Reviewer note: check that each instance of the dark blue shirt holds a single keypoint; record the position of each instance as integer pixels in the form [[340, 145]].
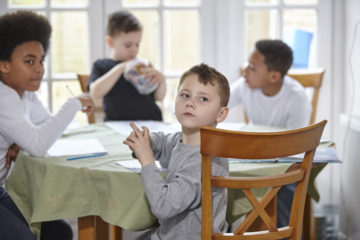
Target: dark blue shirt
[[123, 101]]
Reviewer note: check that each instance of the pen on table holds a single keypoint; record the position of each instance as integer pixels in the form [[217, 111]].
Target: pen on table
[[68, 88], [87, 156]]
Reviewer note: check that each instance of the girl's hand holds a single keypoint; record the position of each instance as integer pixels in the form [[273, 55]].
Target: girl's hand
[[87, 103], [139, 142], [12, 154]]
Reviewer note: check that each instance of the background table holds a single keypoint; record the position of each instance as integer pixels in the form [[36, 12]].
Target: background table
[[52, 188]]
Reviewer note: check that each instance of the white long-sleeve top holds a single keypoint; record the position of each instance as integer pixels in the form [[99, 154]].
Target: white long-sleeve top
[[27, 123], [290, 108]]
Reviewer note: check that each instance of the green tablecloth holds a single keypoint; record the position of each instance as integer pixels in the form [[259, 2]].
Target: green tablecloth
[[52, 188]]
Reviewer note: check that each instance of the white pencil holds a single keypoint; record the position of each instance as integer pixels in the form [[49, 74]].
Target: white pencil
[[72, 94]]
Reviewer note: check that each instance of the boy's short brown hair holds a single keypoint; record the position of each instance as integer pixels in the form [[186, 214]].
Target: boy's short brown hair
[[122, 21], [210, 75]]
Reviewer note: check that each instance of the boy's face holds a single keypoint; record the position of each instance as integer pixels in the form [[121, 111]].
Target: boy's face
[[125, 45], [198, 105], [25, 69], [256, 74]]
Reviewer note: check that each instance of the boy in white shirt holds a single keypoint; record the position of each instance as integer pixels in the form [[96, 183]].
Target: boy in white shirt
[[202, 99], [271, 98]]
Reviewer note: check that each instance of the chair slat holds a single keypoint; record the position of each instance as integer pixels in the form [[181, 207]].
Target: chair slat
[[258, 182]]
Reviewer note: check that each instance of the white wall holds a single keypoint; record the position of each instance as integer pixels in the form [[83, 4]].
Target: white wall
[[338, 184], [350, 177]]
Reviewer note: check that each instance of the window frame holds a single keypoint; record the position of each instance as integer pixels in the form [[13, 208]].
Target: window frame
[[110, 5], [230, 38], [221, 34]]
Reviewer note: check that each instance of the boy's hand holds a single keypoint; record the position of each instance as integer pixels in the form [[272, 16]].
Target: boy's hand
[[154, 76], [12, 154], [139, 142], [87, 104]]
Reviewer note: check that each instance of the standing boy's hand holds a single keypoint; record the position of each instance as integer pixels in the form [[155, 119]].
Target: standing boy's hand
[[154, 76], [139, 142]]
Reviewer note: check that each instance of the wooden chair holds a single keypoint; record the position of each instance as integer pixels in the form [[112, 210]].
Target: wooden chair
[[256, 145], [98, 114], [308, 79]]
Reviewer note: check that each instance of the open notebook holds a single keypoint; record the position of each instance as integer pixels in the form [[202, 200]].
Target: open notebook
[[77, 147]]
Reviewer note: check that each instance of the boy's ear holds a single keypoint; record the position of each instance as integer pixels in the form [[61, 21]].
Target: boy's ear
[[222, 114], [275, 76], [109, 41], [4, 66]]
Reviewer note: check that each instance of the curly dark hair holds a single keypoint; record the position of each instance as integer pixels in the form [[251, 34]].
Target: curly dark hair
[[122, 21], [278, 55], [20, 27], [210, 75]]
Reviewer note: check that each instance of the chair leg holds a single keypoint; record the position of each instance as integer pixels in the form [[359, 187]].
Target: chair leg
[[86, 228], [102, 229], [116, 232], [309, 229]]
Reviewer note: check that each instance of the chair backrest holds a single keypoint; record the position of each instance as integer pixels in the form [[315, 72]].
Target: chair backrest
[[98, 114], [256, 145], [83, 80], [310, 79]]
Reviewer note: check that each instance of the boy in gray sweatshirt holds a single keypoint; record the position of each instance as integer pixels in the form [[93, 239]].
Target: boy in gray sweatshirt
[[202, 99]]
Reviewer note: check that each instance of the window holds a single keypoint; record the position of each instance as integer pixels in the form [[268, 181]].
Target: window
[[177, 35], [293, 21], [68, 53], [169, 44]]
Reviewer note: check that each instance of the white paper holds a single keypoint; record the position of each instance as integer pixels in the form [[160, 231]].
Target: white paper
[[66, 147], [124, 128], [135, 166]]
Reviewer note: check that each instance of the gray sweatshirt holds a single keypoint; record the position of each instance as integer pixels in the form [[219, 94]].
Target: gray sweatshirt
[[176, 200]]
